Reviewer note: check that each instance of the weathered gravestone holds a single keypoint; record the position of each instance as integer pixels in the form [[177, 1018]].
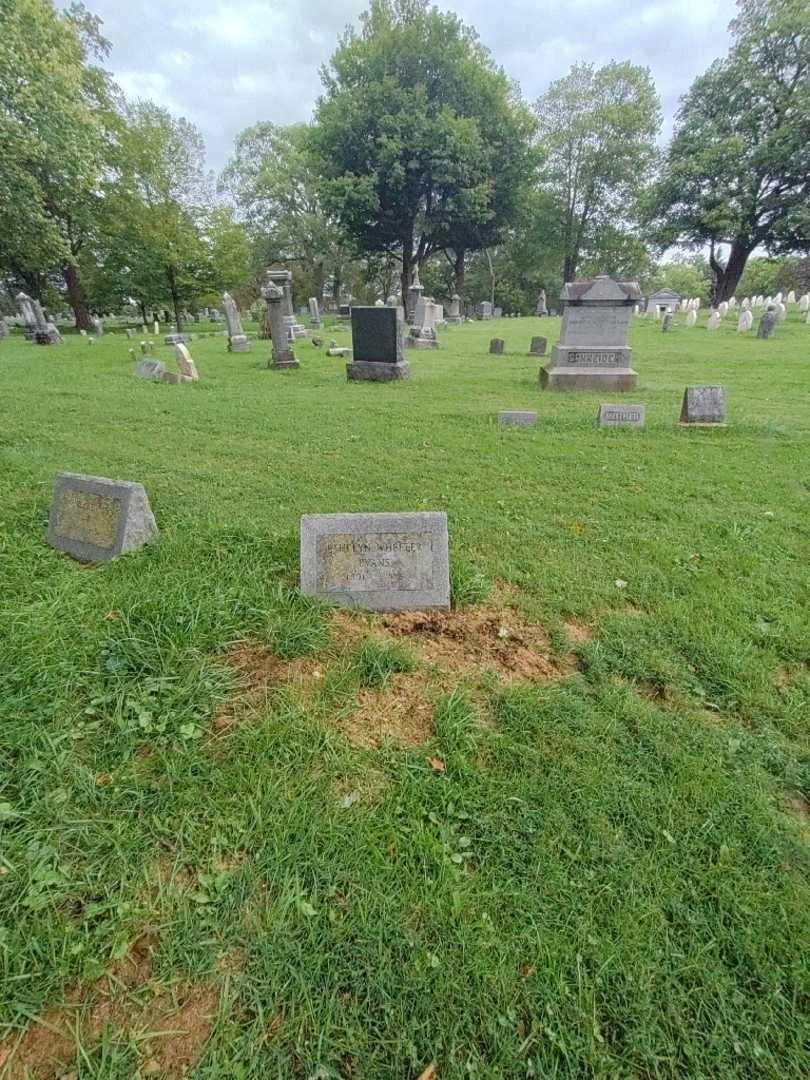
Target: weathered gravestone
[[592, 353], [186, 367], [767, 324], [314, 313], [377, 346], [538, 346], [283, 355], [384, 562], [517, 419], [666, 322], [621, 415], [541, 308], [95, 519], [237, 338], [704, 406], [152, 370], [454, 316], [3, 329], [483, 310], [714, 321], [175, 339], [746, 321], [496, 346], [691, 317]]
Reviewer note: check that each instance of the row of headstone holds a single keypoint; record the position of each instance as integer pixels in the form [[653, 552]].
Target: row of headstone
[[380, 562], [537, 346], [702, 406]]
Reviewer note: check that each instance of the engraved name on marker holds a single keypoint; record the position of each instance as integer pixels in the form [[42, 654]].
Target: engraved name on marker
[[385, 562], [88, 518]]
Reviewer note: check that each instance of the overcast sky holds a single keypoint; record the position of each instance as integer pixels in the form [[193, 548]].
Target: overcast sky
[[226, 65]]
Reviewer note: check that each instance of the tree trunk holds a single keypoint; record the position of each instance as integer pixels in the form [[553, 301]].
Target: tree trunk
[[320, 277], [142, 306], [336, 285], [569, 268], [491, 278], [172, 276], [407, 268], [727, 278], [77, 298], [459, 272]]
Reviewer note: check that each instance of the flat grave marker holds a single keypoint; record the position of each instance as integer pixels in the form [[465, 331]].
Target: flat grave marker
[[621, 415], [515, 418]]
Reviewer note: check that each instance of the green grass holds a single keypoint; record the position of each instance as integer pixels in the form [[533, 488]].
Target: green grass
[[604, 880]]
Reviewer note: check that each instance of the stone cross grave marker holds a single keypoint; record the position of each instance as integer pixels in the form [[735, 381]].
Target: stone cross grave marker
[[94, 519], [377, 346], [704, 406], [622, 415], [384, 562]]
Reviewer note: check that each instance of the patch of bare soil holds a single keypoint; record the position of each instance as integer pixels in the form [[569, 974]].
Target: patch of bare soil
[[399, 712], [798, 807], [171, 1026], [477, 639], [579, 633], [259, 671]]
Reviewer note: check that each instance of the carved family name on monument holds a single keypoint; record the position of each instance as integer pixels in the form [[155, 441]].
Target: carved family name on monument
[[384, 562], [621, 415], [95, 519]]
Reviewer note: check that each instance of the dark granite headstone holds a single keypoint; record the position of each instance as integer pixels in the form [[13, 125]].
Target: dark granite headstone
[[377, 347], [538, 346], [496, 346]]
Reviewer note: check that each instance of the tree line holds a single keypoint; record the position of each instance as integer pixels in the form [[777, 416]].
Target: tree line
[[421, 156]]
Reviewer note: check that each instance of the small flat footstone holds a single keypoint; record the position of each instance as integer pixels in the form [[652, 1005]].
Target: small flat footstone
[[382, 562], [517, 419], [621, 415]]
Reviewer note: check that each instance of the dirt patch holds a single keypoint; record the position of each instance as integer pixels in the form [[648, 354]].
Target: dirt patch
[[795, 804], [364, 788], [258, 671], [399, 712], [477, 639], [177, 1021], [579, 633]]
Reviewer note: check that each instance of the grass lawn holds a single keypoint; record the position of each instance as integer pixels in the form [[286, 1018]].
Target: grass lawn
[[562, 831]]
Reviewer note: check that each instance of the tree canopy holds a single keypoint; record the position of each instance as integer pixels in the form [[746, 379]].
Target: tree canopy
[[418, 136], [736, 174]]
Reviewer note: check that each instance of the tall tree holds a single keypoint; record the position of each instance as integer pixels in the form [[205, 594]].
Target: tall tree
[[57, 127], [597, 128], [403, 135], [736, 175], [272, 182], [164, 195]]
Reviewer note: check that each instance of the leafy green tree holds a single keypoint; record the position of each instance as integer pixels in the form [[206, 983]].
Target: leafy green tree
[[597, 128], [768, 276], [404, 139], [275, 188], [57, 128], [736, 174], [163, 200]]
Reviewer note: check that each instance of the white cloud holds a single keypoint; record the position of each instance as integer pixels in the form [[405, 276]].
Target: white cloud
[[228, 65]]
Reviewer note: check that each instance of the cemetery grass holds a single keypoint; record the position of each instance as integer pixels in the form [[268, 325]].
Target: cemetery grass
[[208, 864]]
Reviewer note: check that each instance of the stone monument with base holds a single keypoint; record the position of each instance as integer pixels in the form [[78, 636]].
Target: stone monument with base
[[237, 338], [592, 353], [378, 354]]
